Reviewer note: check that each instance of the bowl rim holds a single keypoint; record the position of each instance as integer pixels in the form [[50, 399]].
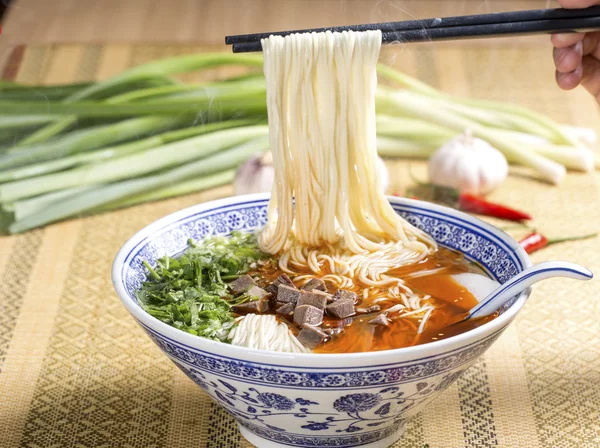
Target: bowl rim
[[418, 352]]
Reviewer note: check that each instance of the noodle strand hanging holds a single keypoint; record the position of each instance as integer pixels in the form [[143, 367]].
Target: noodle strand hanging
[[327, 209]]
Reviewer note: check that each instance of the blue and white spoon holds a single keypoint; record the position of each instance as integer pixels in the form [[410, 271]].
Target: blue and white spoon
[[492, 295]]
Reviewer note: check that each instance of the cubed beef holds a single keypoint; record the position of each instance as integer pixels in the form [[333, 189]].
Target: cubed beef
[[380, 320], [315, 283], [255, 291], [256, 306], [341, 308], [307, 315], [281, 280], [343, 294], [315, 298], [287, 294], [285, 309], [311, 336], [242, 284]]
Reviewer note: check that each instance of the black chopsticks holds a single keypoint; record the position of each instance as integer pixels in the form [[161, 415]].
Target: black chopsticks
[[458, 27]]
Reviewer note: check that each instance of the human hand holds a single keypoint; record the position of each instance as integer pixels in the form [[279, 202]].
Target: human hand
[[577, 55]]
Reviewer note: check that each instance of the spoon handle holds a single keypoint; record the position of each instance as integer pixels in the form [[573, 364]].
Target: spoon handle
[[524, 280]]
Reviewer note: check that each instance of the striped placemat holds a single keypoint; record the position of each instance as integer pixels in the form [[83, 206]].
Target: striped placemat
[[75, 371]]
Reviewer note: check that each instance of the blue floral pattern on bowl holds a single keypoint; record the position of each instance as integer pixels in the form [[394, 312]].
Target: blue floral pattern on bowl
[[290, 405], [301, 379]]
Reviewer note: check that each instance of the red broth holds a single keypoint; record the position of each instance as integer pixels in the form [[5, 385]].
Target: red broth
[[450, 299]]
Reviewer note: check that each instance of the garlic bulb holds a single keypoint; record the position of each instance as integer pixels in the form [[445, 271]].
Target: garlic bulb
[[469, 164], [257, 174]]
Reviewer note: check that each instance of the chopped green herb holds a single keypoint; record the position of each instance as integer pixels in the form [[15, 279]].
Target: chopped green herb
[[190, 292]]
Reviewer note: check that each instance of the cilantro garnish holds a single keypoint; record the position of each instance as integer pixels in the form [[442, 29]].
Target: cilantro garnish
[[190, 292]]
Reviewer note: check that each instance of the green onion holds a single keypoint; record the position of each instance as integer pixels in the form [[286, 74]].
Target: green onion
[[50, 166], [156, 69], [178, 189], [26, 207], [236, 104], [97, 197], [516, 114], [132, 165], [86, 139], [25, 121], [393, 147]]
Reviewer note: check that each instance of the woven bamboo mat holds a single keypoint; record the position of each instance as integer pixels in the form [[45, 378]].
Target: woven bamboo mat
[[75, 371]]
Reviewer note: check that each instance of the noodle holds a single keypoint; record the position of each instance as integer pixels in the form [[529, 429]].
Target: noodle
[[321, 109], [265, 333]]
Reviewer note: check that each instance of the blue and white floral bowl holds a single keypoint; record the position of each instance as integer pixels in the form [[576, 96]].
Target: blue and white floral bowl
[[317, 400]]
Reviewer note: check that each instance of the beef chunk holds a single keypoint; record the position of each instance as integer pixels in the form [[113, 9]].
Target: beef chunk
[[281, 280], [256, 306], [343, 294], [285, 309], [341, 308], [315, 298], [308, 315], [255, 291], [242, 284], [315, 283], [287, 294], [380, 320], [311, 336]]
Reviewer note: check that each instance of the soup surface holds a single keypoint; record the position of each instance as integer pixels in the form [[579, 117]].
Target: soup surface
[[451, 302]]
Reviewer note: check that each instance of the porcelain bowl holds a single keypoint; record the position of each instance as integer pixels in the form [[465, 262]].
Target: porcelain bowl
[[318, 400]]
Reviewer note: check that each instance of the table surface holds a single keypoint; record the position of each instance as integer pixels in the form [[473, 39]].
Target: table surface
[[76, 371]]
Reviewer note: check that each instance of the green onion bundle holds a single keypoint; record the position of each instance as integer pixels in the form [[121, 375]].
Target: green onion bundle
[[143, 135]]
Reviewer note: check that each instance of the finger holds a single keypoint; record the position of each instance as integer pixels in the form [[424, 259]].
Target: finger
[[591, 43], [566, 40], [590, 78], [568, 81], [568, 59], [578, 3]]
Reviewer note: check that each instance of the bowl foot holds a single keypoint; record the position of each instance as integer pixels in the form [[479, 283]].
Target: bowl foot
[[261, 442]]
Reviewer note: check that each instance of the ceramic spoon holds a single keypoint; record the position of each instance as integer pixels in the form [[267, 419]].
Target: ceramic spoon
[[491, 295]]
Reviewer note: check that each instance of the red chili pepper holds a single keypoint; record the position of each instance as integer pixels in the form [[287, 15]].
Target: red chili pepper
[[467, 202], [536, 241], [475, 204]]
